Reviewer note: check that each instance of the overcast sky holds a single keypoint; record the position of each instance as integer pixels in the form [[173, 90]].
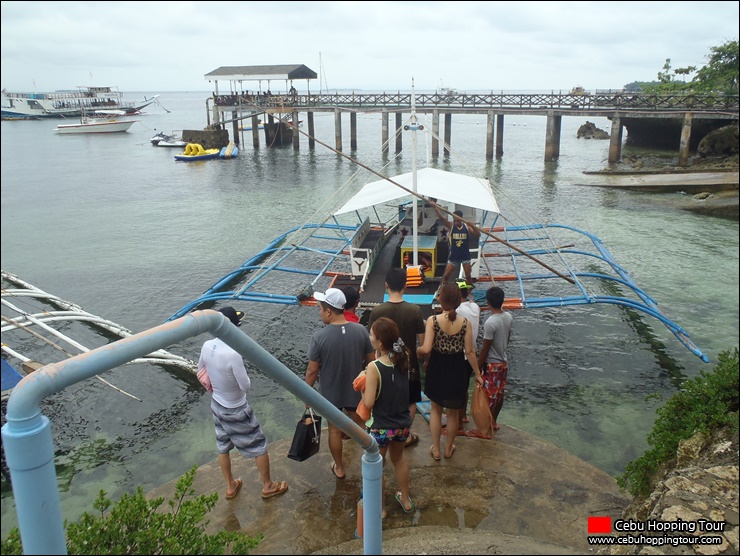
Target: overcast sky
[[468, 46]]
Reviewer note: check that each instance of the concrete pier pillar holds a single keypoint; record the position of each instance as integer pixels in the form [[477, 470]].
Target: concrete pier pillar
[[235, 127], [435, 134], [615, 140], [384, 131], [353, 131], [399, 125], [683, 149], [311, 135], [448, 133], [500, 136], [337, 129], [552, 136], [490, 121], [296, 134], [255, 132]]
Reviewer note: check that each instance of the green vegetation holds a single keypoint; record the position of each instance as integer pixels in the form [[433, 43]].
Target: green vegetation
[[135, 525], [720, 75], [705, 403]]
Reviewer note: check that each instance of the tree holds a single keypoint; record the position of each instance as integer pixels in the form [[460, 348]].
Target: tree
[[721, 71]]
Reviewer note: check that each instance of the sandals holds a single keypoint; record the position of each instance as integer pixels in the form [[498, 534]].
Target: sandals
[[431, 451], [282, 488], [411, 509], [333, 467], [413, 439], [236, 491], [452, 451]]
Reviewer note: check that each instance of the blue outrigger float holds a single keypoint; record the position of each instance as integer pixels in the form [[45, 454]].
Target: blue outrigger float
[[389, 229]]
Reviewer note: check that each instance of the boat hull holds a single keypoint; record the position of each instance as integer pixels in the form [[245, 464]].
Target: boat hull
[[95, 127], [194, 157]]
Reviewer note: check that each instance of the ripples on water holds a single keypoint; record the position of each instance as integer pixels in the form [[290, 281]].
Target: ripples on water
[[116, 226]]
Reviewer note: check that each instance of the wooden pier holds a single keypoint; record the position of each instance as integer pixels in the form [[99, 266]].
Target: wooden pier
[[282, 109]]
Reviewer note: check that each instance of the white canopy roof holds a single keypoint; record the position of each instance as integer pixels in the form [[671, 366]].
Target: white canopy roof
[[430, 182]]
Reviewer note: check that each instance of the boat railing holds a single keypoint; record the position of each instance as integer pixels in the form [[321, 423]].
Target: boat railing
[[29, 447]]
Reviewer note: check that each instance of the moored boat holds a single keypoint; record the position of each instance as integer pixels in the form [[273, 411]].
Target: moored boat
[[392, 222], [162, 139], [60, 104], [100, 123]]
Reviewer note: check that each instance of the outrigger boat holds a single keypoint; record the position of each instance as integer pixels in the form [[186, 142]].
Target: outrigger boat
[[574, 265]]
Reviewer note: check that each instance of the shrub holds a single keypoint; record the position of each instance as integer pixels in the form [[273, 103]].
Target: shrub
[[705, 403], [136, 525]]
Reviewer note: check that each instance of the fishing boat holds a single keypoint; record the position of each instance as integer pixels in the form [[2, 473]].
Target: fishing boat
[[66, 104], [55, 329], [103, 121], [195, 151], [391, 221]]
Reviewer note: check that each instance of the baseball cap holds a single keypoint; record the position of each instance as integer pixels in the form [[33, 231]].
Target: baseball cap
[[463, 285], [232, 314], [333, 297]]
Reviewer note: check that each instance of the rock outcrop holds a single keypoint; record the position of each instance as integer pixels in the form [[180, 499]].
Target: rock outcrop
[[702, 485], [722, 142], [590, 131]]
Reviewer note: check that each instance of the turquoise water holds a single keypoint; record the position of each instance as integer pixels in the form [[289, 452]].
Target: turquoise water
[[118, 227]]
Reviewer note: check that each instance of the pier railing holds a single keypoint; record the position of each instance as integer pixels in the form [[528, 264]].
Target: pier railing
[[600, 100]]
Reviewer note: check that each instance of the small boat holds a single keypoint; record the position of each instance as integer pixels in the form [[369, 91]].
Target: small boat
[[229, 151], [195, 151], [391, 222], [162, 139], [101, 122], [248, 126]]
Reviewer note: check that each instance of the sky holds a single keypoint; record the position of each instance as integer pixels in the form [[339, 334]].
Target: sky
[[363, 46]]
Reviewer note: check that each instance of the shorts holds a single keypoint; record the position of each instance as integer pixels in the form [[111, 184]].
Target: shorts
[[237, 427], [458, 263], [384, 436], [494, 381]]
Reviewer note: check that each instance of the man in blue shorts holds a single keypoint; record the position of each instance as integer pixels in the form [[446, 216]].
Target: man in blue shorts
[[459, 235]]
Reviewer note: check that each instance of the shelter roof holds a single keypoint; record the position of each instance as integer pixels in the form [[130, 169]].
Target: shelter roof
[[439, 184], [260, 73]]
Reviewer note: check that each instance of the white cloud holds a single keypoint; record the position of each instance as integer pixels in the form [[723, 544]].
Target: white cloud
[[164, 46]]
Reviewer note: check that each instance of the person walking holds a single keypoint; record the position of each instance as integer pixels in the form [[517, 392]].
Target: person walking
[[460, 234], [336, 354], [447, 342], [492, 359], [386, 395], [236, 424], [410, 322], [471, 311]]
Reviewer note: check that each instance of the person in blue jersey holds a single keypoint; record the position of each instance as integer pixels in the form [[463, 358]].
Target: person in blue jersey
[[460, 234], [387, 396], [492, 360], [236, 424], [336, 355]]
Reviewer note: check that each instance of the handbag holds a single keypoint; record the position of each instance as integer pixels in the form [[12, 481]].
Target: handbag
[[307, 437], [204, 379]]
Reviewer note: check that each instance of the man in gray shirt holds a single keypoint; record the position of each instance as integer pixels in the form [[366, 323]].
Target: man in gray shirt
[[336, 355]]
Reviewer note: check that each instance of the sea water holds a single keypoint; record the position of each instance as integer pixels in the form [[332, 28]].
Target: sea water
[[122, 229]]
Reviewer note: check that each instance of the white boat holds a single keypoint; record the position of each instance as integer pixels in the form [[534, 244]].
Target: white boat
[[391, 222], [102, 122], [61, 104], [162, 139]]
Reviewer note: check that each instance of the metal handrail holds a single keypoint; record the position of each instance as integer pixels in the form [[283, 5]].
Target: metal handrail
[[29, 447]]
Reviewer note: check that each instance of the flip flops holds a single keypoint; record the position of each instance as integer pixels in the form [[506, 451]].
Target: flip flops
[[475, 433], [411, 509], [334, 470], [413, 439], [431, 451], [282, 488], [236, 491], [452, 451]]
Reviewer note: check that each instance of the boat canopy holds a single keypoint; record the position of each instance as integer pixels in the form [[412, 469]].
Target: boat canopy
[[430, 182]]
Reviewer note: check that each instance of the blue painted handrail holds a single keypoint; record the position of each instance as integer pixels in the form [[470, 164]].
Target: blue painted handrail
[[29, 448]]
